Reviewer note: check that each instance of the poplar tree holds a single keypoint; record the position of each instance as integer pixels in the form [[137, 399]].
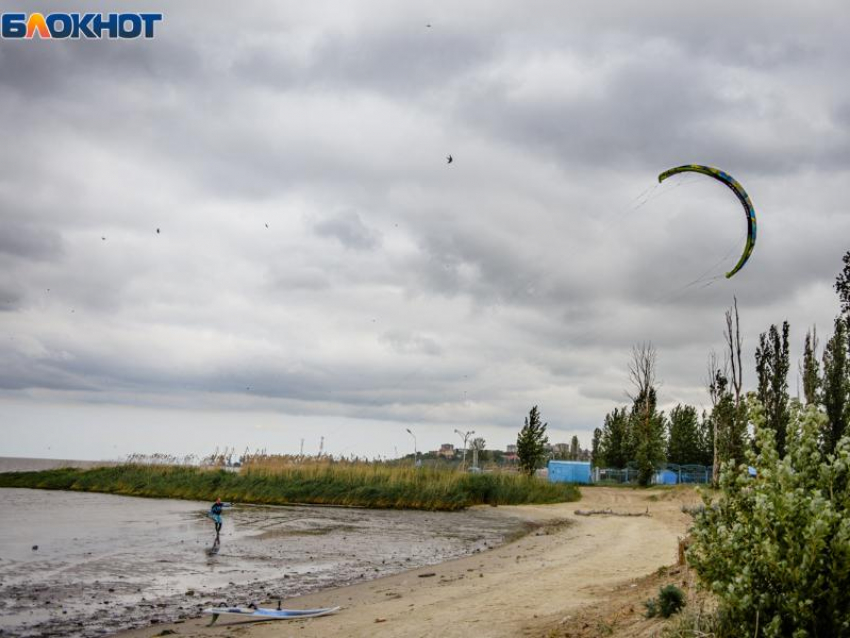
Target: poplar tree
[[729, 421], [613, 445], [772, 365], [683, 444], [646, 425], [594, 447], [836, 386], [810, 369], [842, 285], [706, 439], [531, 442]]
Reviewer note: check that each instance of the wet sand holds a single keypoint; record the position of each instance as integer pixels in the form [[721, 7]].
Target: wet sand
[[105, 563]]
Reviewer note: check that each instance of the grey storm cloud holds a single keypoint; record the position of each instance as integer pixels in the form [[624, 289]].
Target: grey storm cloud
[[409, 62], [654, 106], [30, 242], [317, 254]]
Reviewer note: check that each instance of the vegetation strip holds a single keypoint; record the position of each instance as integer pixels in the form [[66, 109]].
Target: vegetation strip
[[372, 485]]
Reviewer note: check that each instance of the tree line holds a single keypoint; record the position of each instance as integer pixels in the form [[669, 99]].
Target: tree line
[[643, 437]]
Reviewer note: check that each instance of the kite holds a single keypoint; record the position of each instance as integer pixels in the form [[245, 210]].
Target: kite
[[740, 193]]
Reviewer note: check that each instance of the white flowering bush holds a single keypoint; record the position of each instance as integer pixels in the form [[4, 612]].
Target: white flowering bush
[[775, 548]]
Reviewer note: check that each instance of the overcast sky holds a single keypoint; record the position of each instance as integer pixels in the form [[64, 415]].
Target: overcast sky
[[321, 270]]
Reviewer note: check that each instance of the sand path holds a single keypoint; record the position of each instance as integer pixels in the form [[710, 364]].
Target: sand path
[[514, 590]]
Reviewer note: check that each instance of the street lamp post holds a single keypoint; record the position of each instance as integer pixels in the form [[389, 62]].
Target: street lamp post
[[415, 449], [465, 436]]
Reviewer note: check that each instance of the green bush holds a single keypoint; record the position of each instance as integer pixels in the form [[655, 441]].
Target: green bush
[[775, 549], [670, 600]]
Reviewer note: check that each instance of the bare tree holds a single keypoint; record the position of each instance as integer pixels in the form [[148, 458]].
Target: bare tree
[[733, 341], [731, 373], [642, 371], [465, 436], [714, 373], [716, 382]]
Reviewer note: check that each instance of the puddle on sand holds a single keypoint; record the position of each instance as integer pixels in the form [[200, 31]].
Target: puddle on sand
[[106, 563]]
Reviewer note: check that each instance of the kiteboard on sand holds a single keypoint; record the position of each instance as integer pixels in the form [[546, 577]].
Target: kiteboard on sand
[[269, 614]]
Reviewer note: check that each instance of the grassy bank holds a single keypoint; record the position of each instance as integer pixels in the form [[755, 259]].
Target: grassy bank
[[361, 484]]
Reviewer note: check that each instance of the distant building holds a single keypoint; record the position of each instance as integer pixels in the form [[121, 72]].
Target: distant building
[[447, 450], [510, 453], [561, 450], [569, 452], [511, 449]]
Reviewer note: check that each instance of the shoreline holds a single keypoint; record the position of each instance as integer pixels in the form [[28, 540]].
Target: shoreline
[[523, 587], [37, 464], [106, 563]]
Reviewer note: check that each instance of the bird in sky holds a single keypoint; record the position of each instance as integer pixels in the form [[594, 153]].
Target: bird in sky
[[449, 159], [157, 231]]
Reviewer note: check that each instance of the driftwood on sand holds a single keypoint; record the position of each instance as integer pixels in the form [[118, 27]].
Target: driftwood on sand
[[610, 512]]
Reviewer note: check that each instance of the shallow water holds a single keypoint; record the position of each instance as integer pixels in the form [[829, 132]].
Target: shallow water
[[106, 563]]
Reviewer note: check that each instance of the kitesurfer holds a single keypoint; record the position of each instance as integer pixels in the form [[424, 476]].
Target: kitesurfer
[[215, 514]]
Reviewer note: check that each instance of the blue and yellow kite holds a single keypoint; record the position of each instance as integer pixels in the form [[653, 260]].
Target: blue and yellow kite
[[741, 195]]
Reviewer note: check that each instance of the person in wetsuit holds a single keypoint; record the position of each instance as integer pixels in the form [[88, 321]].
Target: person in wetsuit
[[215, 514]]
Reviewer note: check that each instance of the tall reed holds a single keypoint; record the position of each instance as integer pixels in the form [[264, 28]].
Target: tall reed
[[323, 482]]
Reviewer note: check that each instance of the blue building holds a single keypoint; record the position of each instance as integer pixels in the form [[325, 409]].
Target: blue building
[[666, 477], [569, 472]]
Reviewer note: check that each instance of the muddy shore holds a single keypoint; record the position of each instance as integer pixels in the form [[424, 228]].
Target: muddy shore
[[83, 564]]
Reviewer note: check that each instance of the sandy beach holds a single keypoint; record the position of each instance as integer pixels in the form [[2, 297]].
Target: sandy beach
[[528, 587]]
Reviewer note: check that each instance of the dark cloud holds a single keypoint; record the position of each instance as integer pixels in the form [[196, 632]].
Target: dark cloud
[[9, 299], [655, 108], [31, 367], [317, 249], [403, 63], [30, 242]]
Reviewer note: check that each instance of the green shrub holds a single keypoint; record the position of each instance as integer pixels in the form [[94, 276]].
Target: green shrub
[[775, 549], [670, 600]]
